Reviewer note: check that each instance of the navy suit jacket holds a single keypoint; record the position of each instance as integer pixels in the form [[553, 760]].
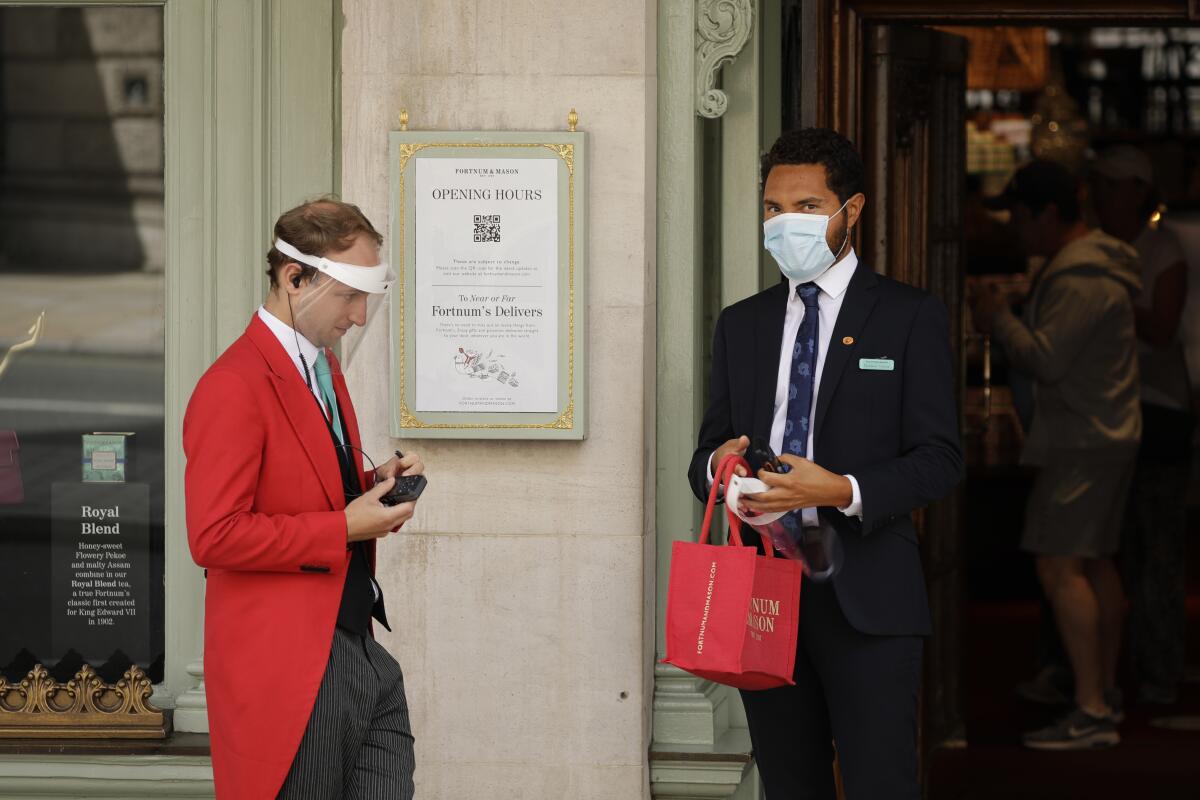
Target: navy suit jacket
[[895, 431]]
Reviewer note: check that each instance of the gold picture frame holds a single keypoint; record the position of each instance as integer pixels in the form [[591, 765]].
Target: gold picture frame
[[568, 150]]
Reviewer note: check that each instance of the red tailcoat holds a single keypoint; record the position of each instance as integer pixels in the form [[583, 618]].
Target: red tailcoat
[[264, 518]]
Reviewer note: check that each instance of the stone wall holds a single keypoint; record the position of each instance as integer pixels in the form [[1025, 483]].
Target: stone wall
[[81, 115], [522, 593]]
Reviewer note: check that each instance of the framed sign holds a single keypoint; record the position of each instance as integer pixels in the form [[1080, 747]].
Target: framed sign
[[488, 308]]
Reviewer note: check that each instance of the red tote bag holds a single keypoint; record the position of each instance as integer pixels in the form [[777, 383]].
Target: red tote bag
[[732, 615]]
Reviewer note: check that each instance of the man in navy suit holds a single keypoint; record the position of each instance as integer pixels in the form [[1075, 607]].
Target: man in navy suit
[[849, 376]]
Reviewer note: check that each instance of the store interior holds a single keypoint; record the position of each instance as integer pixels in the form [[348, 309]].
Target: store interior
[[1066, 94]]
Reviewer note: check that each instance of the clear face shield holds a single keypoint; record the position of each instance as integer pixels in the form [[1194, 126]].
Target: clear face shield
[[340, 304]]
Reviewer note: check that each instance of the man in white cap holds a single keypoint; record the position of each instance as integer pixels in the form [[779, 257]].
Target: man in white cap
[[1152, 548], [283, 517]]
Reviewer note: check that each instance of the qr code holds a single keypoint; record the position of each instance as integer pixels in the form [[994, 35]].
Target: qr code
[[487, 227]]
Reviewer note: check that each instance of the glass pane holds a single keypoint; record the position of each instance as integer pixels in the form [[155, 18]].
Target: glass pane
[[81, 340]]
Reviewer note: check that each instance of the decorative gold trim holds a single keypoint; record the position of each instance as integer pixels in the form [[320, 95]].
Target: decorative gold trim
[[38, 707], [572, 120], [404, 119], [565, 420]]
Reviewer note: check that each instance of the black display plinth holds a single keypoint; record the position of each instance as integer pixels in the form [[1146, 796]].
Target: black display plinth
[[100, 570]]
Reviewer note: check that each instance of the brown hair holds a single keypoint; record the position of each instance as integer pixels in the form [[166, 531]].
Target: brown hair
[[316, 228]]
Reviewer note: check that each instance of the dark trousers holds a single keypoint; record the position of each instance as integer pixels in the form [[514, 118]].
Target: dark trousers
[[358, 743], [1153, 550], [856, 690]]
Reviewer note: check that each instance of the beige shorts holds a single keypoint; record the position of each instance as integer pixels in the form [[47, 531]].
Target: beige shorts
[[1078, 505]]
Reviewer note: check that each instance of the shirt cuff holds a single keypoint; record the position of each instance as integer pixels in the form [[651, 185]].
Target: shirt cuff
[[855, 507], [720, 492]]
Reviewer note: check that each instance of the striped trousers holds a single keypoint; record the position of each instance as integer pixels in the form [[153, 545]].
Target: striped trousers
[[358, 744]]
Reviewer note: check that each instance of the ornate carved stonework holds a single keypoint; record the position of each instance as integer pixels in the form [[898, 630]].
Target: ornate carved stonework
[[722, 30], [38, 707]]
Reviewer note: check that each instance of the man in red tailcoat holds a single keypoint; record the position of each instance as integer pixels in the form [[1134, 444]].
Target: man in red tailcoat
[[281, 514]]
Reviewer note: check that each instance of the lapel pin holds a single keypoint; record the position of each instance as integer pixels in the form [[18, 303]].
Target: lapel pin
[[848, 340]]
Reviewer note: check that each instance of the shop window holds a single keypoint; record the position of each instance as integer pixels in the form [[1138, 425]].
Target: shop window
[[81, 341]]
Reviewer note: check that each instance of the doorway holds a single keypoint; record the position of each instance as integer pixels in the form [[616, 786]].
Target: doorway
[[902, 81]]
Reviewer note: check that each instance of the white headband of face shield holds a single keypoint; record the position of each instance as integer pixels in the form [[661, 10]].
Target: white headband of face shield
[[374, 280]]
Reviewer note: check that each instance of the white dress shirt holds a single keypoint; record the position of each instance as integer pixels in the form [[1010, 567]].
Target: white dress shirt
[[289, 337], [832, 283]]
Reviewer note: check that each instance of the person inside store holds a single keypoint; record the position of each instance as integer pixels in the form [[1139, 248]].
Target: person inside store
[[1126, 203], [1076, 339], [990, 250], [849, 375], [283, 517]]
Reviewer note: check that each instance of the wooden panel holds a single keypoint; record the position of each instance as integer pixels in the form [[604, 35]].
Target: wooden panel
[[914, 147], [983, 11]]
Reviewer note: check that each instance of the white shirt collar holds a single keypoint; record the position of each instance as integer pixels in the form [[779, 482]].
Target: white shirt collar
[[834, 280], [289, 337]]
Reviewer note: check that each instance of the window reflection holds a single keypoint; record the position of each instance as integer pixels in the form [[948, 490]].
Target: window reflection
[[81, 340]]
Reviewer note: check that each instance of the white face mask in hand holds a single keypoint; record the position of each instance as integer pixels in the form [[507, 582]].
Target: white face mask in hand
[[797, 241], [739, 485]]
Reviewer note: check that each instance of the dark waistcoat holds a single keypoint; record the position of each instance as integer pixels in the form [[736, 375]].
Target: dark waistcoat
[[358, 598]]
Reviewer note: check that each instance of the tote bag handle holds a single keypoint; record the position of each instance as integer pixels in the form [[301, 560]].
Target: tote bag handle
[[723, 472]]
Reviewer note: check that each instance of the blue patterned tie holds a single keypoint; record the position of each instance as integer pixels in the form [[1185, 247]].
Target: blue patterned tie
[[325, 386], [804, 367], [800, 388]]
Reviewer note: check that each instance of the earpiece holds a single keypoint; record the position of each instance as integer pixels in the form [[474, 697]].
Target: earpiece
[[299, 352]]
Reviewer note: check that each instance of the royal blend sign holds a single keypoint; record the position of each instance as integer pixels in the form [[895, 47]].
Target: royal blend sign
[[100, 571]]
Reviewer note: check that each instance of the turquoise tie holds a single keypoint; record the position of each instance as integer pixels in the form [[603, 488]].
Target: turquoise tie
[[325, 387]]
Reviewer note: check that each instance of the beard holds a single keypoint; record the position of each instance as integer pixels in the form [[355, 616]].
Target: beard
[[841, 239]]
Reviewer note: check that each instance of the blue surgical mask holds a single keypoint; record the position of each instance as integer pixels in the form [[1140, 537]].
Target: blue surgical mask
[[798, 243]]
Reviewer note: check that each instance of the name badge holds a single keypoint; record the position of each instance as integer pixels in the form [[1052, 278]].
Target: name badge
[[885, 364]]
